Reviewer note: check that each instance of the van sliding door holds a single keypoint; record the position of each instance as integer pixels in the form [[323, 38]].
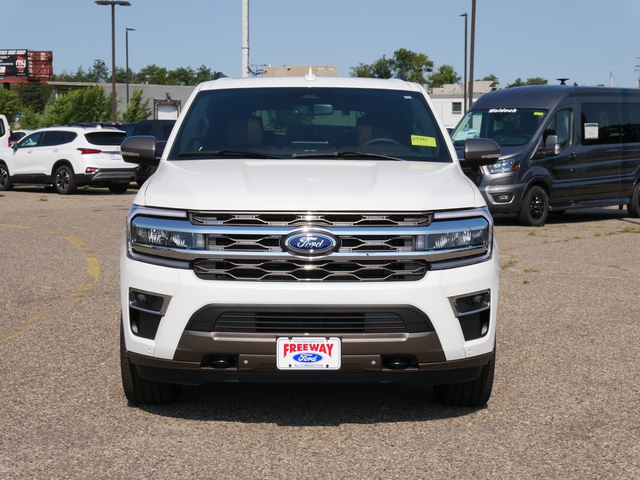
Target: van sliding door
[[597, 170]]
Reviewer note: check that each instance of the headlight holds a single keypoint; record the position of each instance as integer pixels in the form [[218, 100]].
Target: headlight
[[510, 164], [476, 237], [164, 234]]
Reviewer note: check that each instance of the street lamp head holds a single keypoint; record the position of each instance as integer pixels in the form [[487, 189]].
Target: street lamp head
[[131, 29], [113, 2]]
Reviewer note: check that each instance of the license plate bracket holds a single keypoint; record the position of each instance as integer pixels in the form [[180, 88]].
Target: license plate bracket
[[309, 353]]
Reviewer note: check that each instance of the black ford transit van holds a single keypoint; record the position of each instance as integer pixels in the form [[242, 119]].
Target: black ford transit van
[[561, 148]]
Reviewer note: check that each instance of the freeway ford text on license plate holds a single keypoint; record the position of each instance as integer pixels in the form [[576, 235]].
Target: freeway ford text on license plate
[[307, 353]]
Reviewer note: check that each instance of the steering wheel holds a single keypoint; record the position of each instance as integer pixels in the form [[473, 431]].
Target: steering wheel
[[382, 140]]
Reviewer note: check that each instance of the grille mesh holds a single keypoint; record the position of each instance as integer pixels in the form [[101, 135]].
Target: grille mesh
[[311, 320], [293, 219], [301, 270]]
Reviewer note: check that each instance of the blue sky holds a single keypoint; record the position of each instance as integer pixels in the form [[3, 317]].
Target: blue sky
[[583, 40]]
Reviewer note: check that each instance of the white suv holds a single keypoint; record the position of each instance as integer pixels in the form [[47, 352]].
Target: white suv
[[309, 230], [67, 157]]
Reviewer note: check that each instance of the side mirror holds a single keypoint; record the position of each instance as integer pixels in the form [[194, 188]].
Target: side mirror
[[551, 145], [14, 146], [140, 150], [479, 151]]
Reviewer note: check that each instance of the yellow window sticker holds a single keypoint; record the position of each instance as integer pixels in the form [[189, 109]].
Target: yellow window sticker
[[539, 114], [419, 141]]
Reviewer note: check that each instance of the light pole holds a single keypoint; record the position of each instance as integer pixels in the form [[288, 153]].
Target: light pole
[[127, 50], [472, 54], [113, 4], [466, 17]]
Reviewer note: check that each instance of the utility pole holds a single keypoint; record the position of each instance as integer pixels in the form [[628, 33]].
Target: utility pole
[[466, 16], [245, 38], [473, 41]]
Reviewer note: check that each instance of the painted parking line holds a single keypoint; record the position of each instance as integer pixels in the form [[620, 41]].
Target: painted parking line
[[93, 272]]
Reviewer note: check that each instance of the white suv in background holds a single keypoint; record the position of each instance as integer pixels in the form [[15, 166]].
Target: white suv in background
[[309, 230], [67, 158]]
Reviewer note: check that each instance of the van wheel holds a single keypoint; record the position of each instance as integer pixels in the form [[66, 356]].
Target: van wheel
[[474, 393], [634, 204], [140, 391], [64, 180], [535, 208], [5, 183]]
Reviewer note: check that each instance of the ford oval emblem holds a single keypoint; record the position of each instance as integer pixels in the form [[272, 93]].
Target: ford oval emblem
[[307, 357], [310, 243]]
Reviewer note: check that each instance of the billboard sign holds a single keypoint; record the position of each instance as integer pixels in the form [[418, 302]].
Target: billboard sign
[[13, 63]]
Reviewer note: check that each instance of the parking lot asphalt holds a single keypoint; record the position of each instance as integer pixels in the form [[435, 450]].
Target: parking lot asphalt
[[565, 401]]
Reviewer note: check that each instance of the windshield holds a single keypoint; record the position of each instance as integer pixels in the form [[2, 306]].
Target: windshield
[[310, 123], [508, 127]]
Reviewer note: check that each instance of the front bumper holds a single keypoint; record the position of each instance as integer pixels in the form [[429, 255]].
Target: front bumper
[[356, 369], [175, 352]]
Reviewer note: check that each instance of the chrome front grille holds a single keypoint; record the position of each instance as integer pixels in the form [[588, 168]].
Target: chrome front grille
[[271, 243], [305, 270], [311, 247], [317, 219]]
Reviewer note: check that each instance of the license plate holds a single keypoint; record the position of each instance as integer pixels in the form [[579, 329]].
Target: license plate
[[308, 353], [116, 156]]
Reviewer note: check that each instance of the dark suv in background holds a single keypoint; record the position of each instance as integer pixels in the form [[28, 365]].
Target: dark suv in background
[[161, 129]]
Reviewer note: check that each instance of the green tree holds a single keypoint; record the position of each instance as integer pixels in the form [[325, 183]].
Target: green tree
[[88, 104], [414, 66], [445, 75], [203, 74], [488, 78], [137, 109], [33, 95], [152, 74], [98, 73], [9, 104], [181, 76], [530, 81], [31, 120]]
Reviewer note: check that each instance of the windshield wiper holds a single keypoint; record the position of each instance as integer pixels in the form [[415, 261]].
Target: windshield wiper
[[225, 153], [346, 154]]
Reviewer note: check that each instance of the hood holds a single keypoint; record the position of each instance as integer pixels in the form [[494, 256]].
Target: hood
[[313, 185]]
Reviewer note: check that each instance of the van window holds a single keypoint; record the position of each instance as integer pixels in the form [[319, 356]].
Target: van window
[[601, 123], [631, 125], [560, 125], [506, 126]]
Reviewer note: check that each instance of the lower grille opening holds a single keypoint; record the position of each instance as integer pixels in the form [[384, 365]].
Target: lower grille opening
[[309, 320]]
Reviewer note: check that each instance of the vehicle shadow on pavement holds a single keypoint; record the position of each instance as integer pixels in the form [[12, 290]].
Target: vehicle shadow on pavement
[[572, 216], [309, 404], [82, 191]]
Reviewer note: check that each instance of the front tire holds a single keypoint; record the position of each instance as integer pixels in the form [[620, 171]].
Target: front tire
[[634, 203], [140, 391], [64, 180], [5, 183], [535, 208], [474, 393]]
